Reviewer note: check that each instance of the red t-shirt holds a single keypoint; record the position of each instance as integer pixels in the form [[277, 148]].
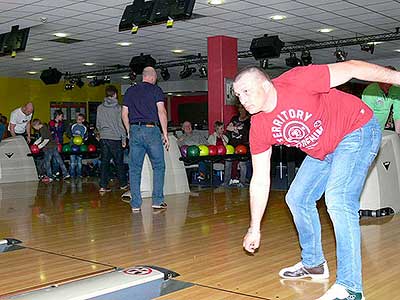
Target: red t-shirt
[[308, 115]]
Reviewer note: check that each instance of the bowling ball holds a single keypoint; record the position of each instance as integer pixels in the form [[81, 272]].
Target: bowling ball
[[59, 147], [212, 150], [35, 149], [240, 149], [66, 148], [221, 150], [77, 140], [92, 148], [184, 150], [52, 123], [83, 148], [203, 150], [75, 148], [193, 151], [230, 149]]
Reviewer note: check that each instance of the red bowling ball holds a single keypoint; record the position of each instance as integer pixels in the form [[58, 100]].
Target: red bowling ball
[[35, 149], [241, 149], [212, 150], [91, 148], [221, 150]]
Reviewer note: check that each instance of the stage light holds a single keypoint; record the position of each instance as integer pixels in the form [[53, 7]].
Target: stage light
[[69, 85], [107, 79], [187, 71], [293, 61], [340, 55], [306, 57], [79, 83], [165, 74], [368, 47], [203, 71], [132, 76]]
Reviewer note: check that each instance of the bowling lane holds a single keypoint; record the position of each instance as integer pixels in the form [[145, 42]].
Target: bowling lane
[[26, 269]]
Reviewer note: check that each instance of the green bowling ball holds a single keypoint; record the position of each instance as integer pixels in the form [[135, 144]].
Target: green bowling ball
[[66, 148], [193, 151], [83, 148]]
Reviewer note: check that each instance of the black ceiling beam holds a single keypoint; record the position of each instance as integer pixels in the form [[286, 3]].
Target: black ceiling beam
[[244, 54]]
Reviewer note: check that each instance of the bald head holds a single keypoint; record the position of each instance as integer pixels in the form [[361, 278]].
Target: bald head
[[253, 72], [149, 75], [27, 109]]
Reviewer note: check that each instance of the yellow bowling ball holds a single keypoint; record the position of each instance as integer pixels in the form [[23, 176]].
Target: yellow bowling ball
[[203, 150], [77, 140]]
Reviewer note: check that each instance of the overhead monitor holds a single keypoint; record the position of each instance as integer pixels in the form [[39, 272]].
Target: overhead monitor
[[151, 12], [14, 41]]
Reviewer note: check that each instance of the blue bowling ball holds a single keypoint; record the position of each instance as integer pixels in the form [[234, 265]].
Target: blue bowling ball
[[75, 148]]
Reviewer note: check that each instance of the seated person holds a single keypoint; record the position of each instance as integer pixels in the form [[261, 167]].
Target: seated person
[[238, 130], [189, 137], [218, 137]]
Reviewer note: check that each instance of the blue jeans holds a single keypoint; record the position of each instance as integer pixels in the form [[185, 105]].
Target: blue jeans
[[341, 175], [75, 165], [146, 140], [49, 155], [112, 149]]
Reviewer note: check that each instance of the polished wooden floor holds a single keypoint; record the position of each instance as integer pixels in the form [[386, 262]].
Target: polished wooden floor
[[71, 231]]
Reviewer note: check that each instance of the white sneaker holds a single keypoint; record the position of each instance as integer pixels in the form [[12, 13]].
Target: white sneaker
[[298, 271], [339, 292]]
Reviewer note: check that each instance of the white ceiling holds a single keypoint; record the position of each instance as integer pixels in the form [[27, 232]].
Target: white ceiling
[[96, 23]]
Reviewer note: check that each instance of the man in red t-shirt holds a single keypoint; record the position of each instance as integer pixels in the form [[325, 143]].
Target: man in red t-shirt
[[302, 108]]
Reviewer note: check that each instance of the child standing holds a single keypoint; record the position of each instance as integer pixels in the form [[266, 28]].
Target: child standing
[[77, 129], [49, 146]]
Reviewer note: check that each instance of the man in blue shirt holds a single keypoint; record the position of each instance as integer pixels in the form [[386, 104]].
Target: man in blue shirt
[[142, 111]]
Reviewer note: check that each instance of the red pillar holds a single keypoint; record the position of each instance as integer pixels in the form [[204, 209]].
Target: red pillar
[[222, 63]]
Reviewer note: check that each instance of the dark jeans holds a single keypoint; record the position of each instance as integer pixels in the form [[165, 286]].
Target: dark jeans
[[112, 149], [50, 154]]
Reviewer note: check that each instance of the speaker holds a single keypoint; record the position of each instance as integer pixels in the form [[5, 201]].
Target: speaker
[[266, 47], [138, 63], [51, 76]]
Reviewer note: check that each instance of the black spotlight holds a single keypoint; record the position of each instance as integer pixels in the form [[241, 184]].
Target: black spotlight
[[165, 74], [264, 64], [368, 47], [203, 71], [340, 55], [132, 76], [306, 57], [293, 61], [107, 79], [79, 83], [187, 71]]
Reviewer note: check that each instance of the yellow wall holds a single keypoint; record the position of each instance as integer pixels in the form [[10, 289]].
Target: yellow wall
[[14, 92]]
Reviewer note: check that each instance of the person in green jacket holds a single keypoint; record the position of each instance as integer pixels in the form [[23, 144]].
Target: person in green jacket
[[381, 97]]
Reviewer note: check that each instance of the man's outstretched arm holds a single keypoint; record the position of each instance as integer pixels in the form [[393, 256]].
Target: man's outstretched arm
[[344, 71]]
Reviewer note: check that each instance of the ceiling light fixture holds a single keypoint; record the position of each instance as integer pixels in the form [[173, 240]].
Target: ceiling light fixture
[[325, 30], [177, 51], [397, 50], [124, 44], [340, 55], [90, 76], [278, 17], [292, 61], [125, 77], [37, 58], [203, 71], [31, 72], [88, 64], [165, 74], [215, 2], [60, 34]]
